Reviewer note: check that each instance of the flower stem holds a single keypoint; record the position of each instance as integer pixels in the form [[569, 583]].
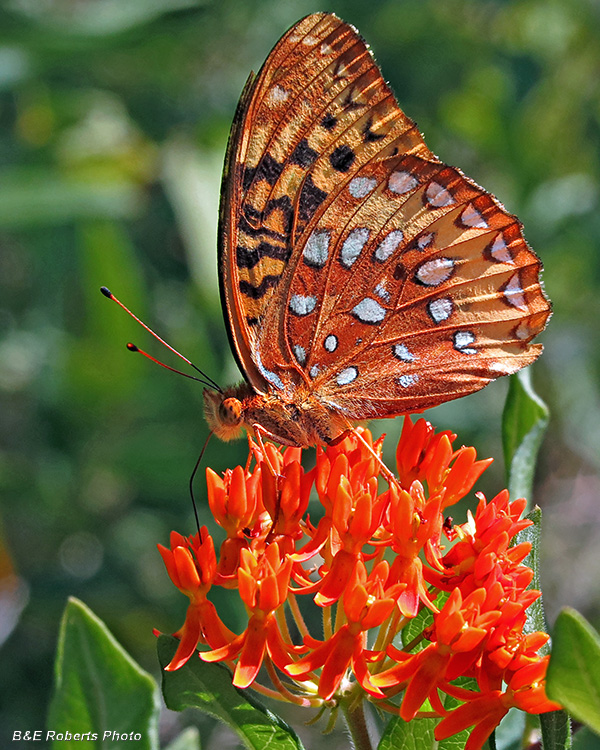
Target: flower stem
[[297, 615], [354, 713]]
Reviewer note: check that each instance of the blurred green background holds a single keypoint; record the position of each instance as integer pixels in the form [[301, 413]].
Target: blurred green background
[[114, 116]]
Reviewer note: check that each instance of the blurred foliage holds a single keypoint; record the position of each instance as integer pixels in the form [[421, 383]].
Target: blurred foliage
[[114, 116]]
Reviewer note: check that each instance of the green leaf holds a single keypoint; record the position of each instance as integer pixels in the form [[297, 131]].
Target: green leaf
[[524, 422], [208, 687], [573, 677], [411, 735], [419, 733], [585, 739], [456, 742], [556, 730], [98, 687]]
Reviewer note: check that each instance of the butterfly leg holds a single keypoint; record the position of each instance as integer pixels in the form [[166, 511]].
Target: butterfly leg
[[259, 432], [389, 477], [341, 437]]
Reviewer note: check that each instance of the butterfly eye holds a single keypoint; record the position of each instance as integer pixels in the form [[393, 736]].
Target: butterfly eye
[[230, 411]]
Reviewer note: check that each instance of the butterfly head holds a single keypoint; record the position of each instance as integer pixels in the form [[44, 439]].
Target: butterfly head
[[224, 411]]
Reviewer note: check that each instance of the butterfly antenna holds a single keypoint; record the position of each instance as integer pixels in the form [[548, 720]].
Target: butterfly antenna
[[208, 381], [134, 348], [193, 476]]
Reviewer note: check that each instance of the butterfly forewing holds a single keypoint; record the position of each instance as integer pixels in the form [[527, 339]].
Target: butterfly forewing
[[294, 126], [354, 262]]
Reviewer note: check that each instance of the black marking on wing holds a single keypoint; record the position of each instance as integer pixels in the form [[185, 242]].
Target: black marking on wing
[[250, 216], [368, 135], [246, 257], [303, 154], [329, 121], [256, 292], [342, 158], [268, 169], [310, 199]]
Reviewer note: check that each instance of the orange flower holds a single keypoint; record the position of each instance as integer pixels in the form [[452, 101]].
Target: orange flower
[[367, 603], [426, 456], [382, 562], [263, 580], [285, 493], [461, 626], [483, 550], [355, 518], [235, 501], [413, 522], [484, 711], [191, 565]]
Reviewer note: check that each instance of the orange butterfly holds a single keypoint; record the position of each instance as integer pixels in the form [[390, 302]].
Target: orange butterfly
[[361, 276]]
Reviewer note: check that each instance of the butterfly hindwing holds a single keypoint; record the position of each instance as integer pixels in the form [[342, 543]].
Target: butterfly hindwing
[[439, 302]]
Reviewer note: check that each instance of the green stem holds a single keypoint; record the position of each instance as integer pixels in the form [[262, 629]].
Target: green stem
[[354, 713]]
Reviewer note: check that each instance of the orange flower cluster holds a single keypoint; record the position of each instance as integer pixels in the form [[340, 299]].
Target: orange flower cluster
[[379, 566]]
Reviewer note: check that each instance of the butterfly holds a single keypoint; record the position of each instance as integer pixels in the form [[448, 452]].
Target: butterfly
[[360, 276]]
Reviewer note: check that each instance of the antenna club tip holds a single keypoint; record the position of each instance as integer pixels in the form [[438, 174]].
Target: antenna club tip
[[106, 292], [132, 347]]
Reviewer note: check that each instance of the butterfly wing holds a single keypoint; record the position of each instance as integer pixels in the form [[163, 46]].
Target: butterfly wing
[[287, 118], [360, 265]]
